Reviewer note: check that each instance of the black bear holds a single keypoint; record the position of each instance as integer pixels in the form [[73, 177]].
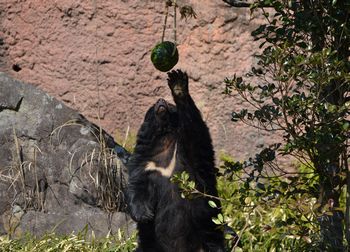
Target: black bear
[[173, 139]]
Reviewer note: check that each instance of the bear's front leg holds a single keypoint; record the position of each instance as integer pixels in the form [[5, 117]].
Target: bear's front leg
[[195, 137], [189, 115], [140, 211], [140, 199]]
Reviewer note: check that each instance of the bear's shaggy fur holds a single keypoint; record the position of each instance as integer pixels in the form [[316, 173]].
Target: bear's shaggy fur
[[173, 139]]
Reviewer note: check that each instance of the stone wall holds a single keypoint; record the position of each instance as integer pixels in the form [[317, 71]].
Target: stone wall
[[95, 57]]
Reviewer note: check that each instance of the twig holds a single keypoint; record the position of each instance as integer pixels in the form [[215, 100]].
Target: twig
[[126, 136], [241, 4], [242, 230], [174, 28], [238, 4], [20, 163], [165, 20]]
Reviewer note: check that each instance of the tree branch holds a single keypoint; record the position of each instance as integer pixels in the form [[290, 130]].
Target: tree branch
[[243, 4], [237, 3]]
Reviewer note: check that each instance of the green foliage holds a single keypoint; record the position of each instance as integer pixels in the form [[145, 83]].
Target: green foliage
[[268, 213], [69, 243], [271, 214], [300, 88], [187, 186]]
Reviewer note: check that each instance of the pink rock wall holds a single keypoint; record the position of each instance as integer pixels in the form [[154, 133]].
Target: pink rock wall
[[95, 56]]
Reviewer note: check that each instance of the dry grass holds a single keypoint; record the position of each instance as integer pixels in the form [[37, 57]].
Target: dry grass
[[51, 242], [15, 176], [103, 167]]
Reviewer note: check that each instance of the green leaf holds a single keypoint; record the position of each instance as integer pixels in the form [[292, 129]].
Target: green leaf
[[216, 221], [228, 236], [247, 200], [221, 218], [191, 185], [185, 176], [212, 204]]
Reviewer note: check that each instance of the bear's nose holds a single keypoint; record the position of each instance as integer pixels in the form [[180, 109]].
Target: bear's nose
[[161, 106], [161, 102]]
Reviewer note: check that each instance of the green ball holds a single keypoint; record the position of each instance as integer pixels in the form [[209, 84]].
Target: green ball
[[164, 56]]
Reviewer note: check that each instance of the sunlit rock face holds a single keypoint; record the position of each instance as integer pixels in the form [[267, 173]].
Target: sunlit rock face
[[95, 57], [53, 170]]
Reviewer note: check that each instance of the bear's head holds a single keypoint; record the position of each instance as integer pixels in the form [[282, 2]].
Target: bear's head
[[159, 126]]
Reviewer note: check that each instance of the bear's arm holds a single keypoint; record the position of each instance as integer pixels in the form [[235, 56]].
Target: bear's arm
[[140, 197], [194, 131]]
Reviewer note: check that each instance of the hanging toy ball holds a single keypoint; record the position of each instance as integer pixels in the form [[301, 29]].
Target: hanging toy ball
[[165, 56]]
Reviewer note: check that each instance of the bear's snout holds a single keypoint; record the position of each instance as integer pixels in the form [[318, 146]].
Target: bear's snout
[[161, 106]]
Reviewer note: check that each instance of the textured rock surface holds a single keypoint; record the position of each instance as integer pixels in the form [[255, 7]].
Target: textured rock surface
[[51, 167], [95, 57]]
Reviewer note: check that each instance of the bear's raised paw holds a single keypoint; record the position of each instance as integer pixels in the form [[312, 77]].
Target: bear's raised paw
[[178, 83]]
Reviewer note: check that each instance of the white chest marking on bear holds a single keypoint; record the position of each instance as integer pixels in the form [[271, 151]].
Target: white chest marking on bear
[[165, 171]]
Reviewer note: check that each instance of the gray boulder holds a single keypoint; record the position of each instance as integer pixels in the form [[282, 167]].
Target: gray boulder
[[58, 171]]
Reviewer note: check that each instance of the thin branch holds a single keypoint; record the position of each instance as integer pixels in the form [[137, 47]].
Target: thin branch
[[243, 4], [175, 6], [165, 20], [238, 4]]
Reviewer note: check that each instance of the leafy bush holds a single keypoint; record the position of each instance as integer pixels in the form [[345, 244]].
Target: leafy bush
[[301, 88], [268, 213], [274, 214]]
